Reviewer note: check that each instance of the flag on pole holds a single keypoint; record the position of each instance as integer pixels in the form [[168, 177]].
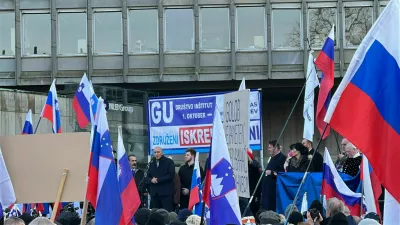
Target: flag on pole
[[28, 126], [334, 186], [51, 110], [392, 208], [224, 202], [85, 103], [366, 105], [304, 203], [308, 110], [7, 194], [195, 203], [371, 186], [103, 190], [242, 85], [127, 186], [326, 63]]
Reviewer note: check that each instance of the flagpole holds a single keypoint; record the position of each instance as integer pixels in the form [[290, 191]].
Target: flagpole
[[279, 137], [37, 125], [305, 176], [203, 207]]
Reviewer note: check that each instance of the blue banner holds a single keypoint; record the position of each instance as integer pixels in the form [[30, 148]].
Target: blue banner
[[181, 122]]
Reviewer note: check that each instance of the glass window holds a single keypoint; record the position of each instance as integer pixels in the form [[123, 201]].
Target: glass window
[[36, 34], [179, 30], [358, 21], [286, 29], [214, 29], [107, 32], [7, 31], [251, 28], [72, 33], [320, 22], [143, 30]]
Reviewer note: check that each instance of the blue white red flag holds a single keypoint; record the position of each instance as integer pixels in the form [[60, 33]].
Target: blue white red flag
[[366, 105], [85, 103], [224, 201], [371, 187], [51, 110], [127, 186], [195, 203], [326, 63], [334, 186], [103, 190], [28, 125], [14, 212]]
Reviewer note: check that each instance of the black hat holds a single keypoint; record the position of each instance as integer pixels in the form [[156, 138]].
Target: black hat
[[26, 217], [338, 219], [177, 222], [68, 218], [296, 217], [184, 214], [155, 219], [142, 216], [373, 216]]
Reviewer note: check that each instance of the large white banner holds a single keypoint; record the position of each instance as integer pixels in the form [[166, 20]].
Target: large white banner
[[236, 123], [180, 122]]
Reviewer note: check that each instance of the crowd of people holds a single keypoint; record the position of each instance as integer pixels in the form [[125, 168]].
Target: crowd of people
[[169, 190]]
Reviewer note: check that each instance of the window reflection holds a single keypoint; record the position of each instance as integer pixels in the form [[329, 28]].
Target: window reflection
[[179, 30], [107, 32], [320, 22], [72, 33], [286, 28], [143, 31], [36, 34], [358, 21], [251, 27], [215, 30], [7, 31]]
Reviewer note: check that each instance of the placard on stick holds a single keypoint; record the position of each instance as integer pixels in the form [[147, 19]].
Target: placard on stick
[[36, 164], [236, 127]]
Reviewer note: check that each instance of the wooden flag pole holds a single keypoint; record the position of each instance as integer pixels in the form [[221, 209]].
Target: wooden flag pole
[[59, 194], [84, 211]]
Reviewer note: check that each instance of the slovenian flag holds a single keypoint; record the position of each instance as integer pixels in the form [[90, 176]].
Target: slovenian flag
[[28, 125], [51, 110], [195, 189], [334, 186], [85, 103], [371, 187]]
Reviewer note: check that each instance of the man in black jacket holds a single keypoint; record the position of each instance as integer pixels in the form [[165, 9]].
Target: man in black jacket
[[185, 174], [318, 160], [138, 175], [160, 178]]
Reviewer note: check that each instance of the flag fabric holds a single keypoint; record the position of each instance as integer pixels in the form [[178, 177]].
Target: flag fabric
[[304, 203], [366, 105], [28, 125], [127, 185], [392, 208], [195, 203], [207, 180], [51, 110], [14, 212], [103, 190], [85, 103], [7, 194], [371, 187], [224, 202], [326, 63], [1, 212], [334, 186], [242, 84], [308, 110]]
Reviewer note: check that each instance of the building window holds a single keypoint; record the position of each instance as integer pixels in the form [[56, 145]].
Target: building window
[[36, 34], [357, 22], [382, 6], [286, 27], [250, 28], [107, 32], [72, 33], [214, 29], [179, 30], [143, 30], [7, 31], [320, 22]]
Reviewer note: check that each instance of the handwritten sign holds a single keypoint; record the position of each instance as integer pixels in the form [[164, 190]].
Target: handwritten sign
[[236, 123]]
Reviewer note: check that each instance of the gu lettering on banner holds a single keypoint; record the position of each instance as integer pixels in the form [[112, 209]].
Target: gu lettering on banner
[[181, 122], [236, 121]]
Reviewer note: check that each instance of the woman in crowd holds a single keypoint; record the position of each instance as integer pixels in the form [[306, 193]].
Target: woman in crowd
[[299, 160]]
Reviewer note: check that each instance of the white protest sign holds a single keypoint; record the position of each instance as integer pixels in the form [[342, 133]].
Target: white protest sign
[[236, 120]]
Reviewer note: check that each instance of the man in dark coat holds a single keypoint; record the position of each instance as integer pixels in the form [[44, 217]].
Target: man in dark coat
[[185, 175], [160, 178], [138, 175], [318, 160], [255, 171], [274, 166]]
